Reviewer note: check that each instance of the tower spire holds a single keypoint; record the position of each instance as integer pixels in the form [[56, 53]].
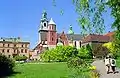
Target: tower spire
[[44, 16], [51, 22], [70, 30]]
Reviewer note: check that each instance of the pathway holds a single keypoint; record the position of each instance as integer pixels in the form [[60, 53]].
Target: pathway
[[101, 69]]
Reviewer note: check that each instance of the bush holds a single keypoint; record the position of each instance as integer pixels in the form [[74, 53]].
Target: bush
[[60, 54], [75, 62], [85, 53], [20, 58], [6, 65], [94, 74]]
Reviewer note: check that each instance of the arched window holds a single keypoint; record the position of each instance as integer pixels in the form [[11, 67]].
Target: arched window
[[44, 24], [3, 50], [8, 45], [8, 50], [21, 50], [25, 50], [52, 39]]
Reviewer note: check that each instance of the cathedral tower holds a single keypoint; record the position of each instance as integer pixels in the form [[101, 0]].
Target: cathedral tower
[[43, 28], [52, 35]]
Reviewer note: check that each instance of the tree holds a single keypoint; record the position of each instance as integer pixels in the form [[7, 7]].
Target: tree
[[113, 49], [115, 6], [85, 53], [20, 58], [89, 48], [89, 15], [99, 51], [6, 66], [60, 53]]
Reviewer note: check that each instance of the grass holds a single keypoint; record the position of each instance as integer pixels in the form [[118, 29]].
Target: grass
[[49, 70]]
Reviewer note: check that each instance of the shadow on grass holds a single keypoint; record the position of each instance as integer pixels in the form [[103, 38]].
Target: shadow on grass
[[5, 75]]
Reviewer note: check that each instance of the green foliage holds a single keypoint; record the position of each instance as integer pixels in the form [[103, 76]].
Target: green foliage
[[79, 68], [6, 65], [89, 48], [113, 48], [60, 53], [94, 74], [85, 52], [115, 6], [82, 72], [118, 62], [63, 53], [20, 58], [75, 62], [90, 16]]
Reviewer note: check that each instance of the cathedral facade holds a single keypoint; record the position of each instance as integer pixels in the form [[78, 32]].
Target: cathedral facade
[[49, 38]]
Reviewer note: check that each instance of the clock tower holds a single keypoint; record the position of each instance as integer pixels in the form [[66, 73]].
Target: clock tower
[[43, 28]]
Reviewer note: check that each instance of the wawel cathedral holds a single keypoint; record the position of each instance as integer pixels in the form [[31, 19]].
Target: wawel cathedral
[[50, 38]]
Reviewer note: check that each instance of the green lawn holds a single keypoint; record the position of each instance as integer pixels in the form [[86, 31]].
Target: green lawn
[[48, 70]]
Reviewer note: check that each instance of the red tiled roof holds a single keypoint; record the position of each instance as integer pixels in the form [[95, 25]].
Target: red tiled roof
[[95, 37], [109, 34]]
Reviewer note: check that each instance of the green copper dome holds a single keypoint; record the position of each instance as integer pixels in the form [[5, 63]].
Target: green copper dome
[[44, 15], [70, 30]]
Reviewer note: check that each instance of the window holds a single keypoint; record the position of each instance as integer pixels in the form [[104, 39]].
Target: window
[[8, 45], [45, 24], [49, 27], [3, 45], [18, 51], [8, 50], [52, 39], [80, 43], [14, 45], [25, 50], [14, 51], [22, 45], [75, 43], [21, 50], [3, 50]]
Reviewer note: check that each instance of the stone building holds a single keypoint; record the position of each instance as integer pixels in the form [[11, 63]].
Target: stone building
[[14, 46]]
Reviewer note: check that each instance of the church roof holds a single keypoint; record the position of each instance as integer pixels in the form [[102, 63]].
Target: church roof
[[51, 22], [76, 37], [95, 37]]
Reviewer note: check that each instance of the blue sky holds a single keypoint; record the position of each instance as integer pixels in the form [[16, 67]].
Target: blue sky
[[21, 18]]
